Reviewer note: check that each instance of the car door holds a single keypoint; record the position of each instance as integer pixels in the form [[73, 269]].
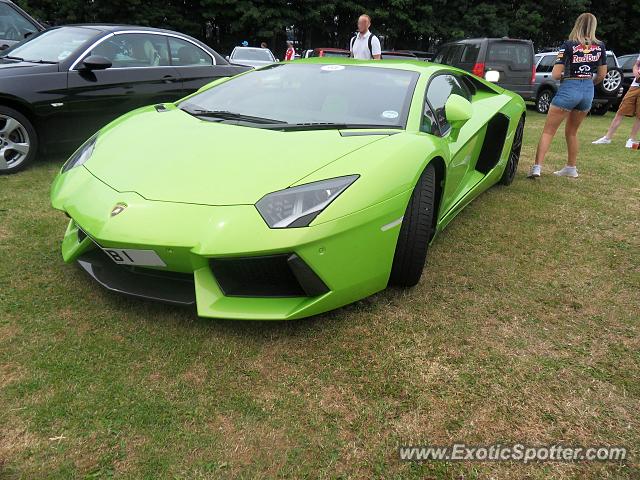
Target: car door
[[141, 74], [195, 66], [462, 150], [14, 26]]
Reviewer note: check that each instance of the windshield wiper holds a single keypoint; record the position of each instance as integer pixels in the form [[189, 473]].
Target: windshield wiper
[[334, 126], [20, 59], [227, 115], [42, 61]]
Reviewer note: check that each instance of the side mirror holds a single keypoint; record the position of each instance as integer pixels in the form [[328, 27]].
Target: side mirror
[[226, 58], [458, 111], [96, 62]]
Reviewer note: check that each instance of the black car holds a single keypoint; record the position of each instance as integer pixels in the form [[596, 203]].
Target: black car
[[15, 24], [60, 86], [511, 58], [626, 64]]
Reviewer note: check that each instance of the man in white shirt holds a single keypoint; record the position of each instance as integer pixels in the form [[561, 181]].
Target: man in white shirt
[[365, 45], [630, 107]]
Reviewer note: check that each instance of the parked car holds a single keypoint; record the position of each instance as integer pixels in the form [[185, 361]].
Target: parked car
[[511, 58], [267, 207], [607, 94], [426, 56], [626, 65], [15, 24], [63, 84], [329, 52], [397, 55], [252, 56]]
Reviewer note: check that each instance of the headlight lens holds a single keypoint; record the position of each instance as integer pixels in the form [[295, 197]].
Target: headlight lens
[[298, 206], [81, 155]]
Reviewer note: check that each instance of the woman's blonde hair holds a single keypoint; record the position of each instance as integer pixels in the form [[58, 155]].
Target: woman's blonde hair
[[584, 31]]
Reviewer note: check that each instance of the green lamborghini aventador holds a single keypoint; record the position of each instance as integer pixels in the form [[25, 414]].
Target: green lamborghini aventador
[[289, 190]]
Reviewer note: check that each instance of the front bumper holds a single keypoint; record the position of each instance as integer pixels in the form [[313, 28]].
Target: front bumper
[[334, 263]]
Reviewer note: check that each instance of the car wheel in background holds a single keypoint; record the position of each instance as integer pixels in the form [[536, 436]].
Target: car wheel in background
[[514, 155], [599, 109], [415, 232], [611, 82], [18, 141], [543, 100]]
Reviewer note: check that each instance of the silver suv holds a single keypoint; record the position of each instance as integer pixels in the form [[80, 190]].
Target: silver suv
[[607, 93]]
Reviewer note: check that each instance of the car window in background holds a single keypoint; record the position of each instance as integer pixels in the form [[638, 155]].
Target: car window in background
[[53, 45], [546, 64], [611, 62], [438, 92], [13, 26], [452, 55], [252, 54], [470, 53], [134, 50], [299, 93], [627, 62], [334, 54], [516, 54], [185, 53]]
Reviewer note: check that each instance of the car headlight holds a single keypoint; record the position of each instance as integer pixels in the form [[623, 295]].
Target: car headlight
[[81, 155], [298, 206]]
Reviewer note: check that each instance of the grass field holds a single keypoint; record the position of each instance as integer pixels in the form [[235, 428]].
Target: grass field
[[524, 328]]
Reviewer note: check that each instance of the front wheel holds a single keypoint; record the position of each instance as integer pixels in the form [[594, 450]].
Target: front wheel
[[415, 233], [18, 141], [514, 155]]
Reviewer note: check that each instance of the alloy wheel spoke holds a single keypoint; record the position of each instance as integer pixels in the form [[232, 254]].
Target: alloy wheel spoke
[[10, 125], [22, 148], [3, 161]]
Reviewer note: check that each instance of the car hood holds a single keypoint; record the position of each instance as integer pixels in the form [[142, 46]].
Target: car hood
[[11, 68], [175, 157]]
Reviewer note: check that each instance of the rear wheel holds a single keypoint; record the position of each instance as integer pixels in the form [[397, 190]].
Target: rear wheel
[[415, 233], [514, 155], [612, 81], [18, 141], [543, 101]]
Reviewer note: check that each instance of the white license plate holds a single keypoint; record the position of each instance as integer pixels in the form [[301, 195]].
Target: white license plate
[[139, 258]]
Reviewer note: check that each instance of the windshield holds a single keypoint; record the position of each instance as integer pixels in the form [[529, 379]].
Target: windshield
[[252, 54], [52, 45], [299, 93]]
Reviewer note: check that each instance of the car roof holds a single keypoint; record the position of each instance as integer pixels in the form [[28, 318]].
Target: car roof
[[239, 47], [115, 27]]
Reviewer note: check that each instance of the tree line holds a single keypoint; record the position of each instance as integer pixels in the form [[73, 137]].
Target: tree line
[[404, 24]]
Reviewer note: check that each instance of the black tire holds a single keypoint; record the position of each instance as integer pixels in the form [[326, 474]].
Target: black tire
[[415, 233], [16, 131], [600, 109], [543, 100], [514, 155], [612, 82]]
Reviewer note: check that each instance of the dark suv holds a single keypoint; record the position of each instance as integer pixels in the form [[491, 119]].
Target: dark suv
[[511, 58], [15, 24]]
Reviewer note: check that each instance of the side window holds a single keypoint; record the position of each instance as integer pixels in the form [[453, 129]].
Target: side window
[[441, 54], [546, 64], [453, 55], [428, 124], [438, 92], [185, 53], [13, 26], [611, 62], [134, 50], [470, 53]]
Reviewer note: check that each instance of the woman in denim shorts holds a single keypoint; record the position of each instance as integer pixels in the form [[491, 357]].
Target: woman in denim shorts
[[581, 64]]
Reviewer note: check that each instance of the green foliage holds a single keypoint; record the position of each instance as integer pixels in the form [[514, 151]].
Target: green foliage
[[403, 23]]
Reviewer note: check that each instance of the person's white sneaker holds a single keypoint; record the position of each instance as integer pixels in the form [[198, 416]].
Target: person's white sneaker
[[567, 172], [602, 141], [535, 171], [629, 144]]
